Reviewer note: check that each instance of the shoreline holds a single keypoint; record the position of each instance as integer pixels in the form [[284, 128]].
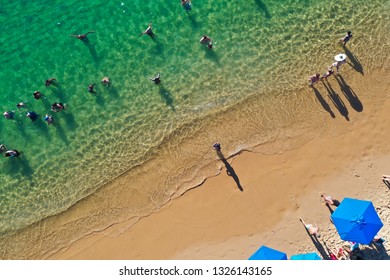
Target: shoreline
[[217, 221]]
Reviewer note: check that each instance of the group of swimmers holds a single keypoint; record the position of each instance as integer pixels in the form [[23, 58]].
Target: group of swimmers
[[187, 5], [58, 106], [337, 64]]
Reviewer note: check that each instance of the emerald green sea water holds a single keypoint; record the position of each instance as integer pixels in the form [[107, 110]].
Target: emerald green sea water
[[262, 50]]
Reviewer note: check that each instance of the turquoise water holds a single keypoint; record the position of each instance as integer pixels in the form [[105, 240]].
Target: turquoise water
[[262, 50]]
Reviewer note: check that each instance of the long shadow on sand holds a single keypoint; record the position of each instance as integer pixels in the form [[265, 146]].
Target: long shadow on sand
[[355, 64], [349, 94], [324, 104], [336, 100], [230, 171], [318, 245]]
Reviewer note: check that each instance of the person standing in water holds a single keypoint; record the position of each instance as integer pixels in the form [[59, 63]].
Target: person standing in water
[[206, 41], [148, 32], [346, 38], [156, 79], [187, 5]]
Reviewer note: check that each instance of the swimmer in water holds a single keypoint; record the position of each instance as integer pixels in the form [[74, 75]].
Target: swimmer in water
[[106, 81], [156, 79], [91, 88], [206, 40], [82, 37], [9, 115], [187, 5], [12, 153], [49, 119], [21, 105], [57, 107], [50, 81], [37, 95], [32, 116], [148, 32]]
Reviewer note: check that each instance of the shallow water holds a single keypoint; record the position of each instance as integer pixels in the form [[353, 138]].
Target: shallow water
[[262, 54]]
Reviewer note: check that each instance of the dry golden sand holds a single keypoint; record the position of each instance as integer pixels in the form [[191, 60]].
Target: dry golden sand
[[218, 221]]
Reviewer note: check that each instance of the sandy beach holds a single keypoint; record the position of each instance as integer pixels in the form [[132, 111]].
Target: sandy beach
[[219, 221]]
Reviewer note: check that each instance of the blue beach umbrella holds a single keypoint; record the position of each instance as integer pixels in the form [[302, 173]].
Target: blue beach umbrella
[[266, 253], [356, 220], [308, 256]]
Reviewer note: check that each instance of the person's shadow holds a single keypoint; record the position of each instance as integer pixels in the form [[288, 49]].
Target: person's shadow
[[19, 165], [336, 100], [263, 7], [92, 51], [211, 55], [324, 104], [166, 95], [318, 245], [386, 183], [349, 94], [192, 19], [355, 64], [229, 170]]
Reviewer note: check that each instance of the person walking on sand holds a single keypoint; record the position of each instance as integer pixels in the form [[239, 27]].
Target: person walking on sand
[[346, 38], [50, 81], [148, 32], [217, 146], [82, 37], [312, 229], [314, 79]]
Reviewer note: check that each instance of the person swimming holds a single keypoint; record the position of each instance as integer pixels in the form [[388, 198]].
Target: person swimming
[[2, 148], [57, 107], [106, 81], [91, 88], [50, 82], [156, 79], [206, 40], [82, 37], [187, 5], [37, 95], [148, 32], [49, 119], [12, 153], [32, 116], [21, 105], [9, 115]]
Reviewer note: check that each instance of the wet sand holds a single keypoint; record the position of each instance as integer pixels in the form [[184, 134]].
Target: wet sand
[[217, 220]]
